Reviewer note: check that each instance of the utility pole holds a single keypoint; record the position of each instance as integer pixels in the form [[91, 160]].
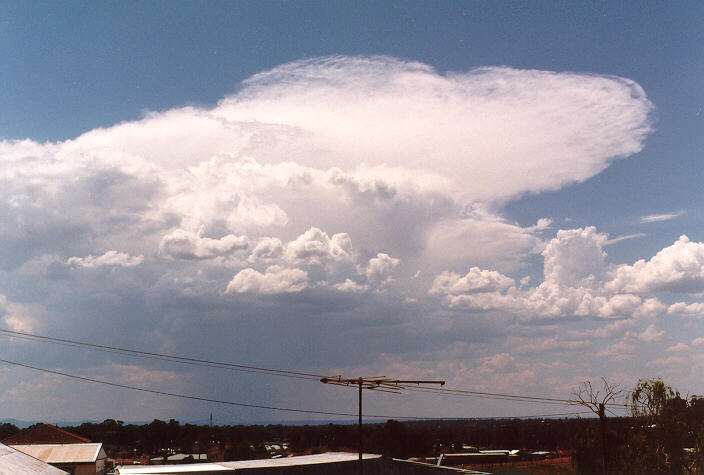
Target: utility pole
[[376, 383]]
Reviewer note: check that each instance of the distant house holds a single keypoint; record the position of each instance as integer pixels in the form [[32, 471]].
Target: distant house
[[180, 458], [44, 434], [62, 449], [13, 462]]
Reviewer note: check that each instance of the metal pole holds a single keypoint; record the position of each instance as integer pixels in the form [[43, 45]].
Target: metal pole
[[361, 469]]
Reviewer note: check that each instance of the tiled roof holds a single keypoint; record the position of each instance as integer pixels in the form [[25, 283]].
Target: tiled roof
[[44, 434]]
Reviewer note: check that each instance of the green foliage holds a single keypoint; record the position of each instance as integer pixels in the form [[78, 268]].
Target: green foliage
[[653, 440]]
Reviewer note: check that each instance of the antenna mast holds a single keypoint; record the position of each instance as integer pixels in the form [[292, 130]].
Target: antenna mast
[[375, 383]]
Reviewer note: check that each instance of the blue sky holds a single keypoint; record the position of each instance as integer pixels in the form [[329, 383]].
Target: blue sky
[[355, 188]]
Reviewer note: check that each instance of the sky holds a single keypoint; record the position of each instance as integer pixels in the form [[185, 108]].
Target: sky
[[503, 195]]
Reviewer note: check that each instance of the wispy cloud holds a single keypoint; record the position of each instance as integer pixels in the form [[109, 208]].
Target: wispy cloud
[[656, 218], [625, 237]]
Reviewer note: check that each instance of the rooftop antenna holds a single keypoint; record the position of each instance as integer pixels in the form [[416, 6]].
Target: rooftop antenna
[[375, 383]]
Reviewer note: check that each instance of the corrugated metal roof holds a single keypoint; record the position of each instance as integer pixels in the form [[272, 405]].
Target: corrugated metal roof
[[330, 457], [62, 453], [13, 461]]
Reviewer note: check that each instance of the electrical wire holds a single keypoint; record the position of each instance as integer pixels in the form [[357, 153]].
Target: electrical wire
[[499, 397], [259, 406], [276, 372], [161, 356]]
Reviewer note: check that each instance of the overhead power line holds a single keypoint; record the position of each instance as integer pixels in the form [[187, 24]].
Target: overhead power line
[[161, 356], [259, 406], [274, 372]]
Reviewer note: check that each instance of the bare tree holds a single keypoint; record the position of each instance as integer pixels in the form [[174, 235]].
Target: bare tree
[[597, 400]]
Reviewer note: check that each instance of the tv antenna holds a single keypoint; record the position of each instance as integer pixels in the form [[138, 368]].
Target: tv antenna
[[375, 383]]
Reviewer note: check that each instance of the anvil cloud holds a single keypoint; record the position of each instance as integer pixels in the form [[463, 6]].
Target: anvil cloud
[[332, 186]]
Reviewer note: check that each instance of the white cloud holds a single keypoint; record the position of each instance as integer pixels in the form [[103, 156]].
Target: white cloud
[[346, 173], [183, 244], [695, 309], [578, 282], [625, 237], [678, 347], [651, 334], [572, 125], [575, 257], [18, 317], [379, 268], [377, 147], [110, 258], [275, 280], [475, 281], [315, 247], [656, 218], [677, 268], [267, 249], [494, 241], [351, 286]]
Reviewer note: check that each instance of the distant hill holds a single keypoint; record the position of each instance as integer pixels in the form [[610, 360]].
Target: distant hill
[[24, 424]]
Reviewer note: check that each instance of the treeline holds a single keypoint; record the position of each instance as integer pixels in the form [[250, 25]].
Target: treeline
[[392, 438], [664, 433]]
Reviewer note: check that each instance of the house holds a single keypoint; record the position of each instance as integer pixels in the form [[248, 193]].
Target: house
[[331, 463], [44, 434], [336, 463], [76, 459], [60, 448], [13, 461]]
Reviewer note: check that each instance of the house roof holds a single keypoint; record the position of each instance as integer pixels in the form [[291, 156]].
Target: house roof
[[13, 461], [64, 453], [44, 434], [330, 457]]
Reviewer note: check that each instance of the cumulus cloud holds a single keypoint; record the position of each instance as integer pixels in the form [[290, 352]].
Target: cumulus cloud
[[110, 258], [182, 244], [267, 249], [579, 283], [677, 268], [575, 257], [475, 281], [275, 280], [315, 247], [695, 309], [379, 268], [651, 334], [351, 286], [18, 317]]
